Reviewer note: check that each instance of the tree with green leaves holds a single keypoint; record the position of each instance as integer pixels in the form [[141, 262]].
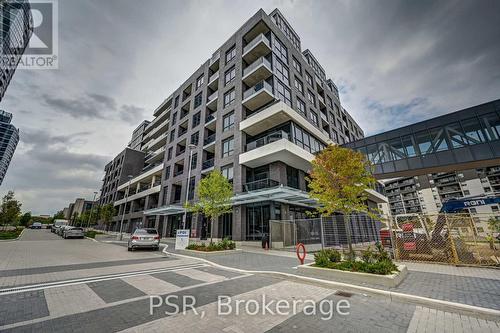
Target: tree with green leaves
[[338, 181], [214, 198], [10, 210], [106, 214], [25, 219]]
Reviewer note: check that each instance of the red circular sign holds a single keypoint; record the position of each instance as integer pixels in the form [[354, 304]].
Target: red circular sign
[[303, 256]]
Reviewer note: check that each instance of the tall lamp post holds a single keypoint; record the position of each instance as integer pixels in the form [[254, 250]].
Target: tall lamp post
[[125, 206], [191, 147], [91, 209]]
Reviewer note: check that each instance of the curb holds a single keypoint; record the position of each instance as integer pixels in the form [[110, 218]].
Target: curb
[[15, 239], [426, 301], [93, 239]]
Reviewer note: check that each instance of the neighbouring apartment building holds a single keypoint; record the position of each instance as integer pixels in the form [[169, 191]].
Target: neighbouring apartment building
[[9, 137], [425, 194], [257, 110], [77, 208], [138, 136]]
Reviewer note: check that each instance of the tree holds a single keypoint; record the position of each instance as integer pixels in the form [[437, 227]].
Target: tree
[[338, 181], [10, 210], [214, 198], [58, 216], [25, 219], [106, 214]]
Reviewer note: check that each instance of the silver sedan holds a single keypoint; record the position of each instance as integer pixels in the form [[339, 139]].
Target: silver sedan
[[73, 232], [144, 238]]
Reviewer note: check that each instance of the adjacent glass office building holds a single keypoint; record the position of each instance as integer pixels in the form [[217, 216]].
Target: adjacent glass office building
[[9, 137]]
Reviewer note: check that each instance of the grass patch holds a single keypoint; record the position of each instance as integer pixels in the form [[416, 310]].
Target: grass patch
[[10, 234], [92, 233], [223, 245]]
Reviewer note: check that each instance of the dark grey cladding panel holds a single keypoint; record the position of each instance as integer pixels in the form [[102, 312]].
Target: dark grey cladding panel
[[388, 167], [495, 147], [419, 127], [463, 155], [429, 161], [481, 151], [415, 163], [401, 165], [445, 157]]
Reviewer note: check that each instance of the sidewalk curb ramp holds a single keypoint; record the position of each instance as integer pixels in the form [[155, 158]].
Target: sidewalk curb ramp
[[465, 309]]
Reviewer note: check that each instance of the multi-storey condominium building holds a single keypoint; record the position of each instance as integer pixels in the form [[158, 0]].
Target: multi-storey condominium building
[[16, 27], [9, 137], [77, 208], [127, 163], [138, 136], [257, 110]]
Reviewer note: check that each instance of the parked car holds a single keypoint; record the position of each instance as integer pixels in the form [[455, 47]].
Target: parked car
[[144, 238], [57, 224], [60, 230], [73, 232], [36, 225]]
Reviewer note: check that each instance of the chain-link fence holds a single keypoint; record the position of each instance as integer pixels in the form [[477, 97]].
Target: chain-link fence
[[325, 232], [461, 238]]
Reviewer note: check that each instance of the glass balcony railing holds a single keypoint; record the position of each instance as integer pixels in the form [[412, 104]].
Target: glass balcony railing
[[209, 118], [209, 139], [207, 164], [257, 63], [214, 77], [255, 41], [259, 86], [212, 97], [267, 139], [260, 184]]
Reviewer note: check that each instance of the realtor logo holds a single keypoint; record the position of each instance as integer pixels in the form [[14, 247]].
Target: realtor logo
[[39, 16]]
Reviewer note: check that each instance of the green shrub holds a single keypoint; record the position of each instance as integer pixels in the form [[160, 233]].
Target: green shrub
[[381, 254], [224, 244], [92, 233], [10, 234], [368, 255], [326, 256]]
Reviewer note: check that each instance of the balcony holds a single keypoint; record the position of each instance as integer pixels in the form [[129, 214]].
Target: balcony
[[208, 165], [260, 185], [258, 71], [158, 142], [213, 82], [276, 147], [178, 172], [210, 121], [321, 102], [155, 156], [212, 101], [258, 47], [258, 96], [209, 143], [215, 58]]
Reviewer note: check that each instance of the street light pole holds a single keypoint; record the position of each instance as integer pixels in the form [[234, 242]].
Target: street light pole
[[191, 147], [91, 208], [125, 206]]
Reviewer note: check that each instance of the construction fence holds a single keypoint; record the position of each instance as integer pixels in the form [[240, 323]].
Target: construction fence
[[458, 239]]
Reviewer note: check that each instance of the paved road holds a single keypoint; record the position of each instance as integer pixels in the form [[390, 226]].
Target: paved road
[[53, 285]]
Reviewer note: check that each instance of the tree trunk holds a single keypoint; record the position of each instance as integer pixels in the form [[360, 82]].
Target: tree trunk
[[212, 220], [348, 233]]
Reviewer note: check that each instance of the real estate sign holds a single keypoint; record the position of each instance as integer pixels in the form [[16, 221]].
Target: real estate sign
[[181, 239]]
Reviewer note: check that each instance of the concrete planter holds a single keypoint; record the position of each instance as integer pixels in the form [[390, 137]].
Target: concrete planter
[[392, 280], [205, 254]]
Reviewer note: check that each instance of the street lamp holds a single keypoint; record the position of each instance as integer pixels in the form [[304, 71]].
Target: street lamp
[[125, 206], [191, 147], [91, 208]]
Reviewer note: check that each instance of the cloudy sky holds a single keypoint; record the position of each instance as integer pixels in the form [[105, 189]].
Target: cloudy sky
[[395, 62]]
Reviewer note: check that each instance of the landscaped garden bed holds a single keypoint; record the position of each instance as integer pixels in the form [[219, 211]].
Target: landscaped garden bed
[[10, 234], [372, 267], [93, 233], [223, 245]]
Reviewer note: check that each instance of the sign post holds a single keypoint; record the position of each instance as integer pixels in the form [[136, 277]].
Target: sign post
[[181, 239]]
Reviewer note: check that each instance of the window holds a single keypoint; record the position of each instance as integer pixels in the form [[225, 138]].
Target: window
[[227, 171], [229, 76], [311, 97], [230, 54], [192, 187], [194, 161], [472, 210], [172, 135], [176, 102], [195, 138], [309, 79], [467, 192], [228, 122], [169, 154], [198, 100], [167, 172], [199, 81], [280, 49], [282, 72], [174, 118], [314, 117], [196, 119], [329, 102], [229, 97], [301, 106], [299, 86], [227, 147], [284, 93], [296, 65]]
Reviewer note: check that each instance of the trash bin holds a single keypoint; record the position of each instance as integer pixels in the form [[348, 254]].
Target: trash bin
[[265, 240]]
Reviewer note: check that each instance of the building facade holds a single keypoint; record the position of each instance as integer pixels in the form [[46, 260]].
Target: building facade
[[16, 28], [9, 137], [257, 110], [77, 208], [138, 136]]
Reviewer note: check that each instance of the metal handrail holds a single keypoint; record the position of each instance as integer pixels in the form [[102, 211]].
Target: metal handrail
[[267, 139], [259, 86], [209, 139], [255, 41], [260, 184], [256, 64], [207, 164]]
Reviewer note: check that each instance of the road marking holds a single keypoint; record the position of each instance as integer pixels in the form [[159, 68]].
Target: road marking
[[55, 284]]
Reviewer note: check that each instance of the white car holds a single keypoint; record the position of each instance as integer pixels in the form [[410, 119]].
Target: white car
[[144, 238], [73, 232]]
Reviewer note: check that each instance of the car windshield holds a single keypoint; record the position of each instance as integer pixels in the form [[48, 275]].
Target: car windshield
[[146, 231], [76, 228]]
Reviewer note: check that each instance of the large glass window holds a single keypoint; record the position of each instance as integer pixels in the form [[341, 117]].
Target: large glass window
[[396, 149], [314, 117], [311, 97], [229, 97], [198, 100], [230, 54], [227, 171], [301, 106], [409, 145], [257, 221], [309, 79], [228, 147], [299, 85], [424, 142], [284, 93], [292, 177], [280, 49], [228, 122], [438, 136], [199, 81], [296, 65], [473, 131], [196, 119], [229, 76], [491, 124], [456, 135], [195, 138], [282, 72]]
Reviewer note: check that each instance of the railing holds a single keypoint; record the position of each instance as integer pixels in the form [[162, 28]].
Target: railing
[[255, 41], [321, 99], [207, 164], [182, 131], [212, 97], [209, 118], [156, 183], [256, 64], [178, 172], [214, 76], [259, 86], [209, 139], [215, 57], [260, 184], [267, 139]]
